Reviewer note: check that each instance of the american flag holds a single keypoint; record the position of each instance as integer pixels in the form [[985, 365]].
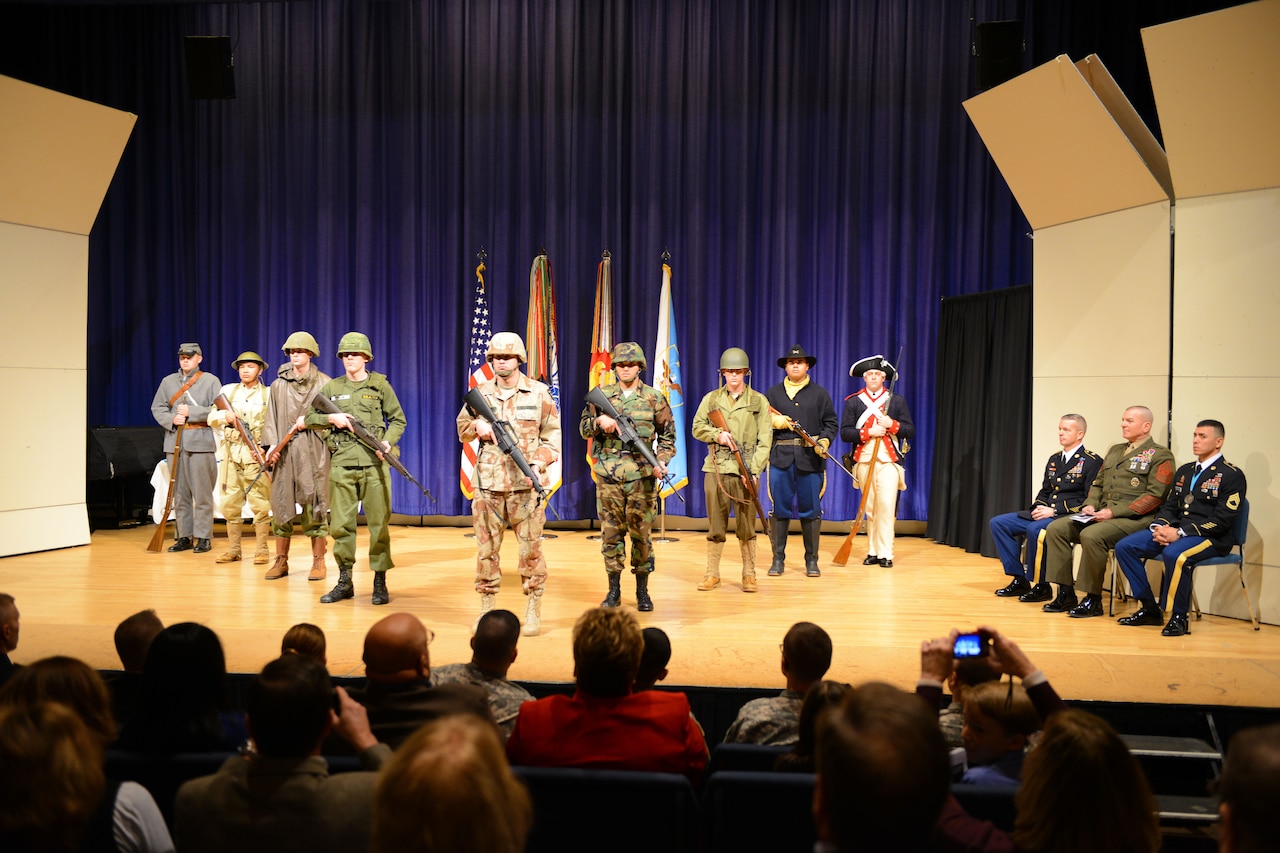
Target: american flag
[[479, 372]]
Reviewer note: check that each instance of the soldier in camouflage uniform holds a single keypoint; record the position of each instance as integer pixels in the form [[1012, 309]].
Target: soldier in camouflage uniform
[[248, 399], [1132, 484], [746, 412], [775, 721], [503, 494], [626, 485], [299, 469], [493, 651], [357, 475]]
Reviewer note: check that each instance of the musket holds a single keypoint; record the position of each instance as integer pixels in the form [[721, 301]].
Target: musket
[[810, 440], [366, 437], [157, 538], [504, 437], [842, 556], [717, 418], [224, 404], [627, 430]]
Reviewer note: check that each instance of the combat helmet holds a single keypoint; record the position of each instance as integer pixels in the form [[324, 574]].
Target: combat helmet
[[735, 358], [628, 352], [356, 342], [302, 340], [507, 343], [248, 355]]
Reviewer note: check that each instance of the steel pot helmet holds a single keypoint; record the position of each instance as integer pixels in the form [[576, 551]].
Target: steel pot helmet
[[628, 352], [507, 343], [248, 355], [735, 358], [302, 340], [355, 342]]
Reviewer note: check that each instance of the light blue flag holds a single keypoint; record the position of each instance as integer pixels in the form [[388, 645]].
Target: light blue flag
[[666, 378]]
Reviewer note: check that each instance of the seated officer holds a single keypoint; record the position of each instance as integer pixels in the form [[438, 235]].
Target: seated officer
[[1067, 478], [1195, 523]]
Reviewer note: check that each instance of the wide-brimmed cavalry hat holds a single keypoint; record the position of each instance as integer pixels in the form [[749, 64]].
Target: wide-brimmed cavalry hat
[[874, 362], [797, 351]]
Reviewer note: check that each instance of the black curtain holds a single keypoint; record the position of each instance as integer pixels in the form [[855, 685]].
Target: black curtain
[[981, 455]]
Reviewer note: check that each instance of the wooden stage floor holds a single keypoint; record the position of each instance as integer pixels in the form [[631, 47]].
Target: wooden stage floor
[[72, 599]]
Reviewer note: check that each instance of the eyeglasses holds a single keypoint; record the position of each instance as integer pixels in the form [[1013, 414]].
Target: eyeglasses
[[431, 635]]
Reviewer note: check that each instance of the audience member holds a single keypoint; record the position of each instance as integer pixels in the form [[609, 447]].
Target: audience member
[[398, 693], [999, 721], [493, 650], [55, 795], [69, 682], [449, 789], [1079, 779], [604, 724], [8, 634], [817, 699], [1249, 789], [968, 672], [283, 796], [305, 639], [184, 704], [133, 639], [806, 656], [654, 659]]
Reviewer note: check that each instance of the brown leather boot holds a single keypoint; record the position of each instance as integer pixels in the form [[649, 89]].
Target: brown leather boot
[[280, 567], [232, 554], [318, 570]]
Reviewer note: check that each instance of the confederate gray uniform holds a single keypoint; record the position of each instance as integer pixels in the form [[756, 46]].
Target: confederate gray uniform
[[197, 467]]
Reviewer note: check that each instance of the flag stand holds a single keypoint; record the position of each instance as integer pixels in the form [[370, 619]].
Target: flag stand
[[662, 524]]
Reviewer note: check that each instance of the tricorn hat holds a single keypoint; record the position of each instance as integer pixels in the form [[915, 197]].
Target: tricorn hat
[[874, 362], [797, 351]]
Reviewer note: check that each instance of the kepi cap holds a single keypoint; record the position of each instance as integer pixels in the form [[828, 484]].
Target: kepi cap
[[189, 349]]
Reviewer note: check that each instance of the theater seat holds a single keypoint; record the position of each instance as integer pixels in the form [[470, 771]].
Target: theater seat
[[746, 810]]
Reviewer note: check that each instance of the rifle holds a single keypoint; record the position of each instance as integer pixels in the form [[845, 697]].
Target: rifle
[[504, 437], [224, 404], [366, 437], [626, 429], [157, 538], [810, 440], [717, 418], [275, 451]]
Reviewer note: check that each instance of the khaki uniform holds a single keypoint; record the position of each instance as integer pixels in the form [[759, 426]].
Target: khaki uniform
[[503, 496], [752, 428], [356, 475], [301, 476], [626, 488], [239, 468]]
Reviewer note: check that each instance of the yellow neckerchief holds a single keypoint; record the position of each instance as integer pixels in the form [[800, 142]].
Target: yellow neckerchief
[[793, 388]]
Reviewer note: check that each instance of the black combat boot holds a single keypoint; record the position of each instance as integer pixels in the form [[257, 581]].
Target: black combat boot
[[343, 589], [614, 598], [778, 539], [380, 594], [643, 602]]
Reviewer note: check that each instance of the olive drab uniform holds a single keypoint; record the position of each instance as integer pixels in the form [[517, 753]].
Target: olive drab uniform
[[240, 468], [626, 486]]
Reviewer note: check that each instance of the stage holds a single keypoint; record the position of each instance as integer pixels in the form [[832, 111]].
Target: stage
[[72, 599]]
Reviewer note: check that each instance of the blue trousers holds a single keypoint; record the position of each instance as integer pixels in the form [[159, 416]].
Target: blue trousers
[[1180, 557], [804, 487], [1007, 529]]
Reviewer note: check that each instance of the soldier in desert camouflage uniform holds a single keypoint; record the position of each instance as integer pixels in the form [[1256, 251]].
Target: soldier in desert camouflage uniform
[[503, 494], [248, 399], [626, 485]]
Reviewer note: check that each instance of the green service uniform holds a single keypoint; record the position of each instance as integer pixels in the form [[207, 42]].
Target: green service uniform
[[356, 475]]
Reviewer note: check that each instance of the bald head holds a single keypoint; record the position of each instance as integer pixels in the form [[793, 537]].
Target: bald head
[[395, 649]]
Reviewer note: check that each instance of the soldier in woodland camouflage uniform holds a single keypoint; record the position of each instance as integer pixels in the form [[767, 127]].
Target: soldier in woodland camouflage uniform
[[626, 485], [493, 651], [503, 494], [358, 476], [248, 399]]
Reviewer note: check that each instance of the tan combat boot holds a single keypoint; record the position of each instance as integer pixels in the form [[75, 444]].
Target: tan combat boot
[[711, 579], [280, 567], [262, 533], [318, 570], [486, 604], [748, 549], [533, 614], [233, 542]]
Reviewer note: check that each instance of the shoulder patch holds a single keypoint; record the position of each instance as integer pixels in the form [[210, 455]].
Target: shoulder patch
[[1164, 473]]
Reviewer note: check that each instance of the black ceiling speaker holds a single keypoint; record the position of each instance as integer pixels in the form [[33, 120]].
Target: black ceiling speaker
[[999, 47], [210, 67]]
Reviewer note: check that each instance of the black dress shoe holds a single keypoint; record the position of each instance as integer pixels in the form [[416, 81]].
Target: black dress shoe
[[871, 560], [183, 544], [1039, 592], [1063, 603], [1090, 606], [202, 546], [1017, 586], [1177, 626], [1144, 616], [886, 562]]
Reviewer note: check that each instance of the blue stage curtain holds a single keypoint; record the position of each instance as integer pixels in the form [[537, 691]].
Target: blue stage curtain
[[808, 165]]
